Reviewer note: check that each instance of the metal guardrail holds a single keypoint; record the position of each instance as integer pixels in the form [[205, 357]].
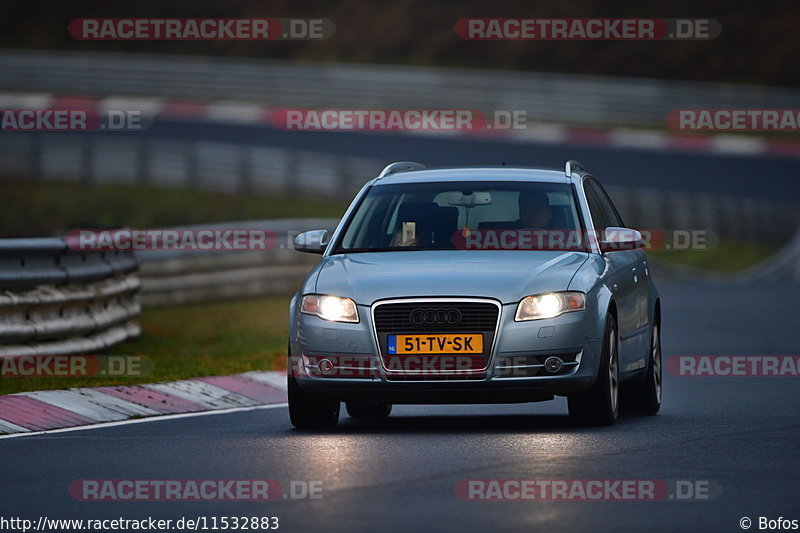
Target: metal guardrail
[[254, 169], [564, 98], [176, 277], [735, 219], [28, 263], [54, 300], [199, 165]]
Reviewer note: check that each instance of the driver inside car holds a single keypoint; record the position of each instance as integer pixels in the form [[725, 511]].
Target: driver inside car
[[534, 211]]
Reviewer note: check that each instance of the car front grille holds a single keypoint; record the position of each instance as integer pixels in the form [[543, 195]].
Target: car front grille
[[436, 317]]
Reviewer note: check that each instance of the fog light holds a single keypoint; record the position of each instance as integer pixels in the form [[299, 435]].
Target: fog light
[[553, 364], [325, 366]]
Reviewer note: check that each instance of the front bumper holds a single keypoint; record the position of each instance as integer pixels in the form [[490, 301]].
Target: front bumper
[[505, 380]]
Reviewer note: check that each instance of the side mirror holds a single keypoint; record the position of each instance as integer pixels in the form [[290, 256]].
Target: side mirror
[[314, 241], [615, 239]]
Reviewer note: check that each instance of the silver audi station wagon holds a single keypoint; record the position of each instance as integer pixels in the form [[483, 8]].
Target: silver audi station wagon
[[475, 285]]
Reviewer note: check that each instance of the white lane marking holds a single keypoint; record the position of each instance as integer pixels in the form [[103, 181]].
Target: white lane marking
[[203, 393], [150, 419], [276, 380]]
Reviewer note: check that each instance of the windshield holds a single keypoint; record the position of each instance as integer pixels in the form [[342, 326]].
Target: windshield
[[459, 215]]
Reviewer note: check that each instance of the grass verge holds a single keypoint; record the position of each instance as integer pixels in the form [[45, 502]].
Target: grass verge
[[726, 257], [191, 341]]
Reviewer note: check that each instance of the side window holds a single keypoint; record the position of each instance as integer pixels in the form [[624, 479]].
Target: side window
[[611, 212], [599, 217]]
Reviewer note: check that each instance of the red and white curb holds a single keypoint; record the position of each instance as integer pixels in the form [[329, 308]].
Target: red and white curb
[[236, 112], [56, 409]]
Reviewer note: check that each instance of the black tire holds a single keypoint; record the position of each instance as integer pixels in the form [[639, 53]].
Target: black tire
[[369, 410], [311, 412], [644, 396], [599, 406]]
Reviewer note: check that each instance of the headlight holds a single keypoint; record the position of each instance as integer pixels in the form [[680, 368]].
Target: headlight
[[330, 308], [549, 305]]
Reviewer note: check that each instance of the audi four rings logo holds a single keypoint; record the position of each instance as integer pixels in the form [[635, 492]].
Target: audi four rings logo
[[435, 317]]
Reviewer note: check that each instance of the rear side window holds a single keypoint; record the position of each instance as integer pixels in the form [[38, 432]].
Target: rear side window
[[596, 209], [608, 206]]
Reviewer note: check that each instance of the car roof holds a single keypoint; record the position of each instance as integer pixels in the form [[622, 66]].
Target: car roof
[[475, 174]]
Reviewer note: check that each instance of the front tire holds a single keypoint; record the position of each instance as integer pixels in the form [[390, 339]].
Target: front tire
[[311, 412], [599, 406], [644, 397]]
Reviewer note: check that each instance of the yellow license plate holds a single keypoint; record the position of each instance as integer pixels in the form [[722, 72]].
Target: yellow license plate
[[428, 344]]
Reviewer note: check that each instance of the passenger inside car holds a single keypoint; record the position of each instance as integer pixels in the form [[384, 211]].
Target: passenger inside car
[[534, 213], [425, 224]]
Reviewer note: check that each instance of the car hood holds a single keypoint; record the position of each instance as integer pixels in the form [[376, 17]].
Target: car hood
[[503, 275]]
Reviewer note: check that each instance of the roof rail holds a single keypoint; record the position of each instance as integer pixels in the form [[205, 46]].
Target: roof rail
[[572, 166], [400, 166]]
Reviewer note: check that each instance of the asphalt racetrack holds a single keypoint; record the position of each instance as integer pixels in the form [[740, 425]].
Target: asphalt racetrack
[[736, 435]]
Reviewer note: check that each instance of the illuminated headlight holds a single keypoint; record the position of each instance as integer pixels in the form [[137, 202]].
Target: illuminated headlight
[[330, 308], [549, 305]]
